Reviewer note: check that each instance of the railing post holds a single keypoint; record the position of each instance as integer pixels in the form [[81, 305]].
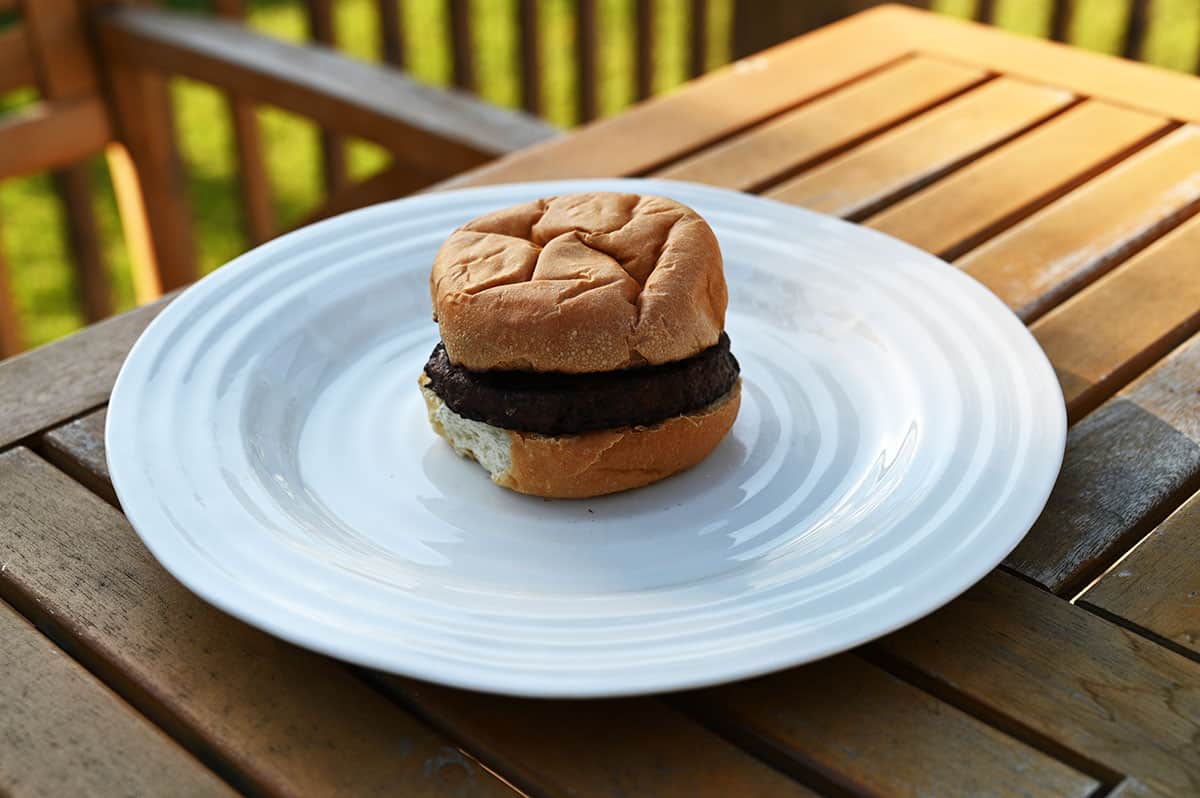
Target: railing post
[[148, 178], [759, 24]]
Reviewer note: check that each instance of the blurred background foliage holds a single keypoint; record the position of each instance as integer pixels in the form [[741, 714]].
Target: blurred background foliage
[[30, 221]]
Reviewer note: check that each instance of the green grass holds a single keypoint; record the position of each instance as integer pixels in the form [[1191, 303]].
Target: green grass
[[30, 217]]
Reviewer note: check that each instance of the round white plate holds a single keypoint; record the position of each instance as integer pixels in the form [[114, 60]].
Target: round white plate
[[900, 431]]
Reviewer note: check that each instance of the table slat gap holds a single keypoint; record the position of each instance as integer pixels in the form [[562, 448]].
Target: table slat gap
[[674, 158], [818, 131], [1003, 722], [932, 178], [804, 166], [840, 699], [1139, 630], [893, 166], [972, 242], [1087, 685], [547, 748]]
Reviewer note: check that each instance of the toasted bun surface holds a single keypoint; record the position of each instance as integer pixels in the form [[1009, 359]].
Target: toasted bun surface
[[590, 464], [579, 283]]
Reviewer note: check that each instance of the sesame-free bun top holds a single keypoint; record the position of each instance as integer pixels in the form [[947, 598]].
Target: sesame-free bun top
[[578, 283]]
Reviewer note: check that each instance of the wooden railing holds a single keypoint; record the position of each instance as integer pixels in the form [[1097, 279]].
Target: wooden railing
[[101, 69]]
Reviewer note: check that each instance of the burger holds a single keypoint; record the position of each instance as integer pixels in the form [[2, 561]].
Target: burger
[[582, 344]]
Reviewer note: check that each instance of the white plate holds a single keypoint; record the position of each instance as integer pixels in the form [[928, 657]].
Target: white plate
[[900, 431]]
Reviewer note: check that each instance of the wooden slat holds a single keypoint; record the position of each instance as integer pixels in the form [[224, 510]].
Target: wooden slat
[[276, 719], [670, 126], [1127, 465], [956, 213], [595, 748], [1157, 587], [531, 56], [428, 128], [59, 46], [871, 734], [10, 323], [391, 38], [586, 55], [43, 388], [51, 135], [644, 36], [254, 186], [1151, 89], [985, 11], [1057, 251], [1057, 673], [147, 175], [16, 65], [1107, 334], [918, 152], [333, 147], [77, 448], [462, 44], [698, 38], [832, 123], [64, 733]]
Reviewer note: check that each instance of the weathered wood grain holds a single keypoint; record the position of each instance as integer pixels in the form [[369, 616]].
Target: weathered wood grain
[[52, 135], [64, 733], [871, 734], [1043, 667], [47, 386], [714, 107], [426, 127], [595, 748], [1113, 330], [1157, 587], [1044, 259], [915, 154], [974, 203], [77, 447], [829, 124], [1124, 470], [273, 718]]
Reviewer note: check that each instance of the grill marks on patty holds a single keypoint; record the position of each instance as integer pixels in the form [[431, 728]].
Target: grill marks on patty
[[551, 403]]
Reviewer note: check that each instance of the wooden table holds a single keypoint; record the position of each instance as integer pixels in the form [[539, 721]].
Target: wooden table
[[1066, 182]]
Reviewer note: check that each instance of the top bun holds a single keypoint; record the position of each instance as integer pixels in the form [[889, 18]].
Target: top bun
[[580, 283]]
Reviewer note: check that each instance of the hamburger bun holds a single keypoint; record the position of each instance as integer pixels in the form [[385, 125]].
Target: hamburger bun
[[590, 463], [580, 283]]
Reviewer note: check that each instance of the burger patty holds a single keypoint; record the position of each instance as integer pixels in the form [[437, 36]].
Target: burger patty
[[564, 404]]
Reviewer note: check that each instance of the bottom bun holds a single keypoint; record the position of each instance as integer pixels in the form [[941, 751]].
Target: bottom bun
[[589, 464]]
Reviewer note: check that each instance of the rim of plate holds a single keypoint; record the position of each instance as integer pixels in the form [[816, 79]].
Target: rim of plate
[[161, 535]]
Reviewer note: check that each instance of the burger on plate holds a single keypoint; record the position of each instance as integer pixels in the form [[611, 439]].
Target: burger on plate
[[583, 349]]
